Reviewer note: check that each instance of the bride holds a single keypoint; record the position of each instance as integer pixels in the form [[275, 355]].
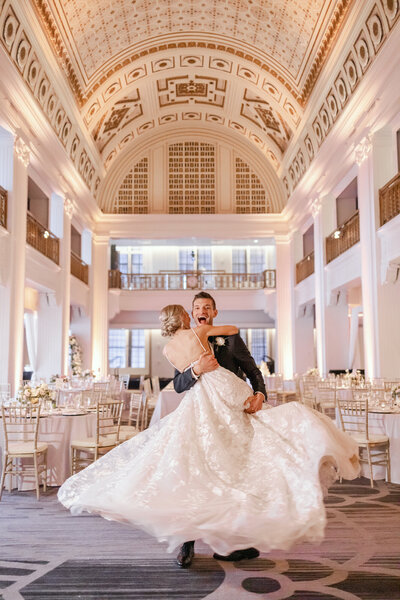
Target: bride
[[211, 471]]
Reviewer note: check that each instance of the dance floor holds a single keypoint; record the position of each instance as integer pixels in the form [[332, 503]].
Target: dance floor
[[46, 554]]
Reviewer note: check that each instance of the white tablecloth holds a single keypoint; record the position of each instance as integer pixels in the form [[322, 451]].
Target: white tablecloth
[[167, 402], [58, 431]]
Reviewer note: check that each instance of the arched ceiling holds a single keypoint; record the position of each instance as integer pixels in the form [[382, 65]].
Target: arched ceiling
[[135, 65]]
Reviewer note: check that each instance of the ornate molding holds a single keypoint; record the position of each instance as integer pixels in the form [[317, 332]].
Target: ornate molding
[[22, 151], [15, 41], [69, 208], [362, 150], [366, 43]]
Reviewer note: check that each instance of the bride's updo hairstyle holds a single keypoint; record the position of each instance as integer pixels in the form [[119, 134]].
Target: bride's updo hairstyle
[[171, 319]]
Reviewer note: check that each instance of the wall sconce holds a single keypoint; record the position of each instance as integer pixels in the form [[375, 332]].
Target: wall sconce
[[337, 234], [46, 234]]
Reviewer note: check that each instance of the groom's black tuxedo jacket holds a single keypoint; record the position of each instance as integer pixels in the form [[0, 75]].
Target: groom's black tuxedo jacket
[[234, 356]]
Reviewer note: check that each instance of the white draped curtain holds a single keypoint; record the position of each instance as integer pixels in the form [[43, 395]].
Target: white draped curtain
[[31, 332], [354, 321]]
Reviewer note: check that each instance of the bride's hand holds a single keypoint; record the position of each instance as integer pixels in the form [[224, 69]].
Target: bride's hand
[[206, 363]]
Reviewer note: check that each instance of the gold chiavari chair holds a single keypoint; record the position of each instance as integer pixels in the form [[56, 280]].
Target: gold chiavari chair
[[88, 450], [137, 420], [374, 448], [21, 426]]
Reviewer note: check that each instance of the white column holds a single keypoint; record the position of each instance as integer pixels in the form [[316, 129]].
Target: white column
[[99, 303], [17, 227], [374, 156], [285, 305], [319, 277], [65, 263], [6, 181]]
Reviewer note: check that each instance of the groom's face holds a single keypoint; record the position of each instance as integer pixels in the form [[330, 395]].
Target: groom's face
[[203, 311]]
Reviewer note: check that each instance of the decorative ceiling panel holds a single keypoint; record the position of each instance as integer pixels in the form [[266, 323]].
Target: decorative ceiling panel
[[290, 37]]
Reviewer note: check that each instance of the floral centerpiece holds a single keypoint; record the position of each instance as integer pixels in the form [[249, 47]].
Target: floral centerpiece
[[35, 394], [396, 395], [354, 377], [313, 372], [264, 368], [54, 378], [75, 355], [87, 373]]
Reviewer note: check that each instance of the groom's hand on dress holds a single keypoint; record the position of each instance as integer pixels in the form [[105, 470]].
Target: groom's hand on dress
[[254, 403], [206, 363]]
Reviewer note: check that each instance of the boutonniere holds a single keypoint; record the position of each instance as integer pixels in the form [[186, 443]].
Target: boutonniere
[[220, 341]]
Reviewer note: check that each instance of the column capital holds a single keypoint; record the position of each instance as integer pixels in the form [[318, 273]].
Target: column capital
[[284, 238], [101, 239], [69, 208], [363, 149], [22, 151], [315, 206]]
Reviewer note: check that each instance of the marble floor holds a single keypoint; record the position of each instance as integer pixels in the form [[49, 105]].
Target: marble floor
[[46, 554]]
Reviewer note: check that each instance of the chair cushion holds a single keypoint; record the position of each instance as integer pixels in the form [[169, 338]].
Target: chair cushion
[[26, 447], [373, 439], [91, 442]]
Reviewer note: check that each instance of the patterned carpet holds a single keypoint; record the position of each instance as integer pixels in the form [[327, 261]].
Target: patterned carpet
[[46, 554]]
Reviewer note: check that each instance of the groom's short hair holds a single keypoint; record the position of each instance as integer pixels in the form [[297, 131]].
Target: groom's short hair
[[206, 295]]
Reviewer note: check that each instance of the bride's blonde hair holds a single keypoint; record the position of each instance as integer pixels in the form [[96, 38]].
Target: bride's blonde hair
[[171, 319]]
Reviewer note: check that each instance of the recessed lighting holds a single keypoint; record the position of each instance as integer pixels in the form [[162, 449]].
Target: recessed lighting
[[255, 241]]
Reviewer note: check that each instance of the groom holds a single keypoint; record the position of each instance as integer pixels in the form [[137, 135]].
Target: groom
[[233, 355]]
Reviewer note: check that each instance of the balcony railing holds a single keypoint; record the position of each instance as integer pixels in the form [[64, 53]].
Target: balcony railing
[[41, 239], [389, 199], [193, 280], [3, 207], [343, 238], [305, 267], [79, 268]]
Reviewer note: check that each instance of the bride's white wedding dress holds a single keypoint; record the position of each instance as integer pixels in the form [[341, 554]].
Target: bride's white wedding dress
[[210, 471]]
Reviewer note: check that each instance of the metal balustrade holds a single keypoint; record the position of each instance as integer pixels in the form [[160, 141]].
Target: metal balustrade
[[79, 268], [305, 267], [343, 238], [42, 239], [389, 200], [3, 207], [192, 280]]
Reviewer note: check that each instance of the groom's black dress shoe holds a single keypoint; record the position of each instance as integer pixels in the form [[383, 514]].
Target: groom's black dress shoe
[[185, 556], [238, 555]]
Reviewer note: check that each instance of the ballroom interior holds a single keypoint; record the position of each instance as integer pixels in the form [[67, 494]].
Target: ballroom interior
[[151, 149]]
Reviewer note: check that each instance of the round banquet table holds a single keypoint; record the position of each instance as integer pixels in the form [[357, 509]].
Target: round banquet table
[[167, 402], [57, 431]]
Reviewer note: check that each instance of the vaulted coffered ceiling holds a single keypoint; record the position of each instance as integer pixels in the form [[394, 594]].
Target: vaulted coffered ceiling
[[137, 65]]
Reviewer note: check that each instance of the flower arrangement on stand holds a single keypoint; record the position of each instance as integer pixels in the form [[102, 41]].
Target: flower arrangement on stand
[[35, 394], [75, 356]]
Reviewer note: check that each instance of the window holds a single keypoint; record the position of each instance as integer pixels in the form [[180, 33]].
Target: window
[[117, 348], [137, 263], [257, 260], [204, 259], [130, 262], [187, 259], [258, 347], [123, 262], [127, 348], [137, 357], [239, 263]]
